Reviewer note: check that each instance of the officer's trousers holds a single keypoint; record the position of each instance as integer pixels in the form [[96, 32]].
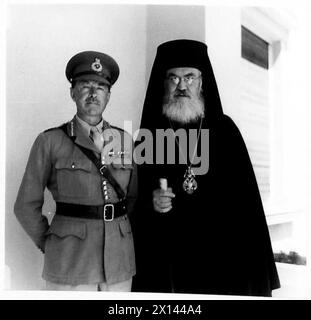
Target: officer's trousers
[[124, 286]]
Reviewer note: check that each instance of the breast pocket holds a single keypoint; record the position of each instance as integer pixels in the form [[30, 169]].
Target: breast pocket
[[74, 177]]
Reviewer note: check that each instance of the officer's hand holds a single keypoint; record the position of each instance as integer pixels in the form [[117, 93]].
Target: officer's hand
[[162, 200]]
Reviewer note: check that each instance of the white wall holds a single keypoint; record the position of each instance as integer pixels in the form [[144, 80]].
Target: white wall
[[223, 38], [40, 41]]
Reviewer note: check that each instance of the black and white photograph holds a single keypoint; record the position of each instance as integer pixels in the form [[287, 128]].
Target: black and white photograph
[[156, 150]]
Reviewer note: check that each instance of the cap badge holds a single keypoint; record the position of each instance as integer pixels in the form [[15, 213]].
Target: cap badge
[[96, 65]]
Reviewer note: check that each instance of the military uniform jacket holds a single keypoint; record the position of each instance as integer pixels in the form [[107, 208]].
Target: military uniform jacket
[[77, 250]]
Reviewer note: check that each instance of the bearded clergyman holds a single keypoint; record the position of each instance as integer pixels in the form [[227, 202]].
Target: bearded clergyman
[[198, 232]]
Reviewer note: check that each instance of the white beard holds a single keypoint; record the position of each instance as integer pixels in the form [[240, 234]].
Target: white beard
[[183, 109]]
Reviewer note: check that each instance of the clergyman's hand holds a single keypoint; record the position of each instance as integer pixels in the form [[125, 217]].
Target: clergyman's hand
[[162, 200]]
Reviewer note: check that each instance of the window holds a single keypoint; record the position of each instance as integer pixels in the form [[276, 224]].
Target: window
[[255, 49]]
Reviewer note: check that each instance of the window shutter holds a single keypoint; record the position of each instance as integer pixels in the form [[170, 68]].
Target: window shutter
[[255, 106]]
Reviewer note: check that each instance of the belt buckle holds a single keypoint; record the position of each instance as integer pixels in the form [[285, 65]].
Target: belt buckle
[[110, 208]]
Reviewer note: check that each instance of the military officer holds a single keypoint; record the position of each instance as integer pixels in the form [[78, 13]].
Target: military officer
[[86, 165]]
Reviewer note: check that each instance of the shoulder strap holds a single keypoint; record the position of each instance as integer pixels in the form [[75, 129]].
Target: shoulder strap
[[103, 170], [54, 128]]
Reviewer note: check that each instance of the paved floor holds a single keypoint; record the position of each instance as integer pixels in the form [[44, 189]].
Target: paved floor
[[295, 282]]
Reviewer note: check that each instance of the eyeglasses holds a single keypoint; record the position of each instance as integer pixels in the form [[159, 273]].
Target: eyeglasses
[[187, 79]]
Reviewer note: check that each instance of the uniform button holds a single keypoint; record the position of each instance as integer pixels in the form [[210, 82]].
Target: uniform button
[[106, 198], [73, 165]]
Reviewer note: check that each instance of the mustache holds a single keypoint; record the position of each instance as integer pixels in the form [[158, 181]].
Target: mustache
[[181, 93], [91, 100]]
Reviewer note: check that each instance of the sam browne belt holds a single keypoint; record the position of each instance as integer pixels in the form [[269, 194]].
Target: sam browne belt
[[106, 212]]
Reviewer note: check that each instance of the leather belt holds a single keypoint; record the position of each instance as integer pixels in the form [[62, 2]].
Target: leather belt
[[106, 212]]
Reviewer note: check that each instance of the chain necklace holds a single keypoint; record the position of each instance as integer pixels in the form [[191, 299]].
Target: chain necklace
[[189, 184]]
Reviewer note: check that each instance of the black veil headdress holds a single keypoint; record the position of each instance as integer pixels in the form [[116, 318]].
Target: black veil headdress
[[175, 54]]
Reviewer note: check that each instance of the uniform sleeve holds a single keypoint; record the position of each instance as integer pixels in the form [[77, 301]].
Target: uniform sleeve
[[30, 198]]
